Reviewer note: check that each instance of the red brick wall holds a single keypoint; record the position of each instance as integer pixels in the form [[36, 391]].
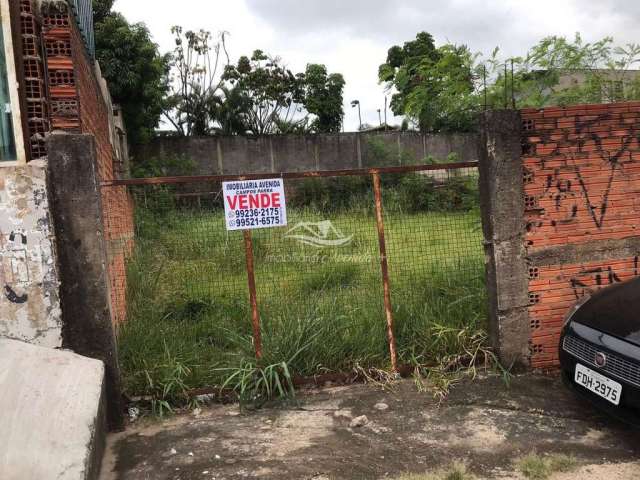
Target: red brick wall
[[582, 188], [78, 105], [31, 73]]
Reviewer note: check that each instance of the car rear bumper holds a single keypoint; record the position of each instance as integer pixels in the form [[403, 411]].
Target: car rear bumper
[[629, 408]]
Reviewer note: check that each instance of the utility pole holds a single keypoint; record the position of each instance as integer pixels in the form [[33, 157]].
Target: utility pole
[[356, 103], [386, 125]]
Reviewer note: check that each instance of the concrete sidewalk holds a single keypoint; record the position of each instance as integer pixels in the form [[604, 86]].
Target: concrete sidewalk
[[483, 423], [52, 422]]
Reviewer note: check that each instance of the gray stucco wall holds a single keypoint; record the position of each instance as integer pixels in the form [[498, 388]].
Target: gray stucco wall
[[286, 153], [29, 303]]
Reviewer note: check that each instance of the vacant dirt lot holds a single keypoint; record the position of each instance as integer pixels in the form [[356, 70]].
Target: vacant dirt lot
[[364, 432]]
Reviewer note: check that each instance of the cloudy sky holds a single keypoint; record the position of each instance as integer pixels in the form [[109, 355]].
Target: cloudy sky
[[353, 36]]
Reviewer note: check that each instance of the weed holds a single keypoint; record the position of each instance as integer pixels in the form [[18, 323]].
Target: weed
[[255, 385], [536, 467], [457, 471], [166, 384]]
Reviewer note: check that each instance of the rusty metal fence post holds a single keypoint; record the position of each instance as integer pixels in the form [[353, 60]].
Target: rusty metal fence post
[[253, 297], [385, 271]]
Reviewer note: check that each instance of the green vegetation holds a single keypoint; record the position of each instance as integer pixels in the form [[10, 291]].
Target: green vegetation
[[406, 193], [600, 72], [258, 95], [457, 471], [136, 72], [434, 86], [536, 467], [321, 307], [442, 88]]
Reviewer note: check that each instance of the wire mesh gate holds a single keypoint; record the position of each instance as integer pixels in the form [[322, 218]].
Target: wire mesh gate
[[367, 258]]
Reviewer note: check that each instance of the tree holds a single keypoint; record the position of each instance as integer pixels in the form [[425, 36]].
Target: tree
[[400, 72], [135, 71], [229, 111], [447, 97], [274, 93], [197, 104], [258, 95], [101, 9], [324, 98], [434, 87]]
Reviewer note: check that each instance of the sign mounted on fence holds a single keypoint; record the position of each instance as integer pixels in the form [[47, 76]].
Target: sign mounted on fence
[[254, 204]]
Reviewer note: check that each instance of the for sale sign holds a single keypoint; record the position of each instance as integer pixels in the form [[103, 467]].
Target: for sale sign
[[254, 204]]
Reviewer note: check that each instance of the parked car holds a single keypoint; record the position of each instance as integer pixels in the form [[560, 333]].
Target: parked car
[[600, 350]]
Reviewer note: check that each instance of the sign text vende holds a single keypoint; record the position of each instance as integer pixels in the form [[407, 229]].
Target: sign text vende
[[254, 204]]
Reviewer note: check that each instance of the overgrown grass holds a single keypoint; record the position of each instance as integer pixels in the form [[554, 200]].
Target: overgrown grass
[[537, 467], [321, 308]]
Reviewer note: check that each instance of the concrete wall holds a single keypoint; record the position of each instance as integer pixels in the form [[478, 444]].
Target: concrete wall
[[77, 213], [29, 303], [501, 193], [280, 153]]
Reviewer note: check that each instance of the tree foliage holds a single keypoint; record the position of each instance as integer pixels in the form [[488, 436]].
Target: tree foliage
[[101, 9], [447, 97], [442, 88], [257, 95], [134, 69], [324, 98], [198, 103], [558, 71], [274, 93], [434, 86]]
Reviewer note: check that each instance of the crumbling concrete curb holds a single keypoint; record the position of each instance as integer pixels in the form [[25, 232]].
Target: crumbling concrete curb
[[52, 421]]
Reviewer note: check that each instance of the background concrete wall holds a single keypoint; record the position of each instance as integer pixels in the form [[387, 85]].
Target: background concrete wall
[[280, 153], [29, 303]]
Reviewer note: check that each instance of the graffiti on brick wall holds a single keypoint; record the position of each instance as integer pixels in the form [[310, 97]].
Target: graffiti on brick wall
[[582, 184], [555, 290], [577, 170], [587, 281]]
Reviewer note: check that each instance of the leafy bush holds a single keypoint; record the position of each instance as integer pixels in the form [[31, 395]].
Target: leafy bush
[[331, 194], [163, 166], [421, 193], [411, 193]]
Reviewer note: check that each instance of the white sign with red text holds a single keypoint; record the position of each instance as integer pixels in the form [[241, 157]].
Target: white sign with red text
[[251, 204]]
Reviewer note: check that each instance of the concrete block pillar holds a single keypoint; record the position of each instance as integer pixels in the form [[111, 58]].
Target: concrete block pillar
[[76, 209], [502, 205]]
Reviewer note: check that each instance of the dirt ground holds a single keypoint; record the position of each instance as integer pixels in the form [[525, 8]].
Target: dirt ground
[[483, 423]]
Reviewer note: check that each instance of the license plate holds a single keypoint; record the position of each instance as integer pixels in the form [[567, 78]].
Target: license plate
[[598, 384]]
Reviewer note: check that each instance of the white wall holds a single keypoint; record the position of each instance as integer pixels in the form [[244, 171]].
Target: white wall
[[29, 303]]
